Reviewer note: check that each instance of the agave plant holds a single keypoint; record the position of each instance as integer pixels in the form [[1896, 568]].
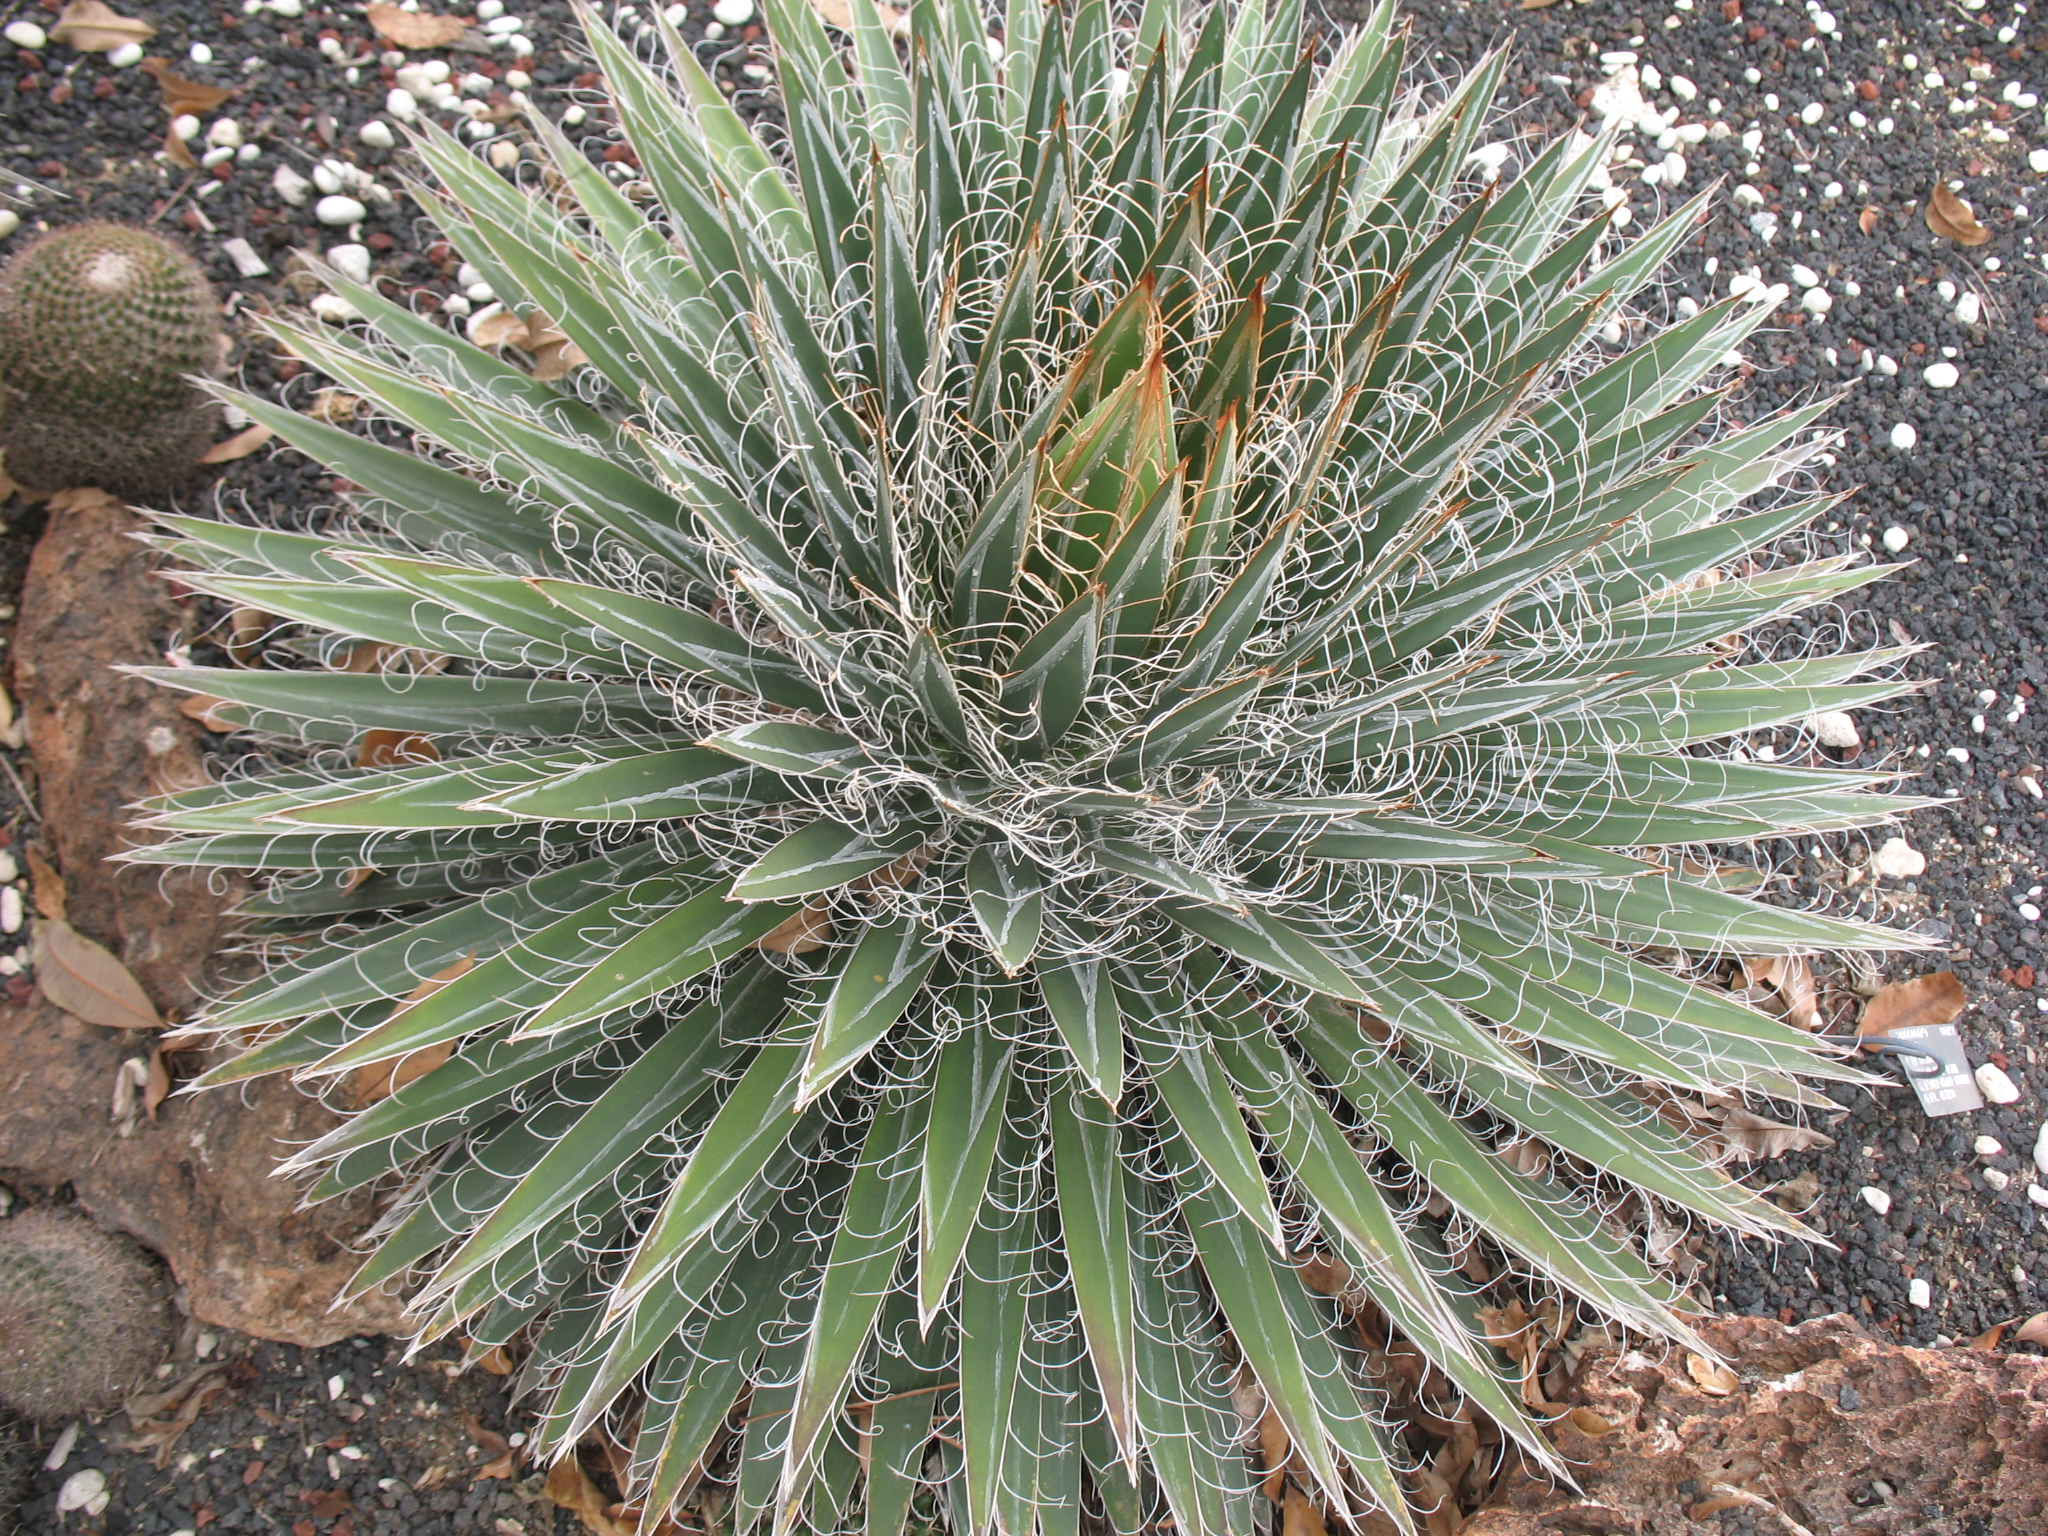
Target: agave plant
[[963, 851]]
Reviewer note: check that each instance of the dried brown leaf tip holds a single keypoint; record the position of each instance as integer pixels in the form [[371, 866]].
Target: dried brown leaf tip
[[1923, 1001], [1867, 219], [182, 97], [2033, 1331], [240, 446], [1950, 216], [85, 980], [91, 26], [1714, 1378], [417, 29]]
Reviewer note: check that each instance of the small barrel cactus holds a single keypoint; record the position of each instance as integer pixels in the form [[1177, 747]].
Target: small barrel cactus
[[101, 329], [84, 1316]]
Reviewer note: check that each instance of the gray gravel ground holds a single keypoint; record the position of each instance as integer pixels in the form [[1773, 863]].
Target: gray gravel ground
[[1815, 126]]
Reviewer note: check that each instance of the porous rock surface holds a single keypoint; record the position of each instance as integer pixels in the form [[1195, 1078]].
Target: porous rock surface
[[196, 1183], [1828, 1432]]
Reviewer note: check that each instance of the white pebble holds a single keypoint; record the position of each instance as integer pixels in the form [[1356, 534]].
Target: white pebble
[[503, 26], [1895, 537], [1835, 728], [215, 157], [1888, 366], [285, 8], [351, 261], [10, 221], [1995, 1085], [455, 304], [2037, 161], [26, 34], [336, 1385], [1905, 435], [734, 13], [1919, 1292], [2029, 913], [573, 118], [226, 133], [1875, 1198], [1959, 754], [333, 308], [377, 134], [185, 126], [2037, 1194], [127, 56], [244, 256], [1987, 1146], [1942, 376], [481, 316], [1805, 277], [291, 186], [199, 53], [85, 1491], [10, 909], [2041, 1150], [1997, 1178], [401, 103], [1969, 309], [490, 10], [1898, 860], [1812, 113], [1816, 301], [338, 210], [1683, 88]]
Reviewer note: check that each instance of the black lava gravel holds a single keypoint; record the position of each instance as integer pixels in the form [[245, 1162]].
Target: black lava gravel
[[1826, 133]]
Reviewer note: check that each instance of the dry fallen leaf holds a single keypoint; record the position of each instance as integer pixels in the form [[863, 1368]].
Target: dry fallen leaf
[[1925, 1000], [159, 1418], [92, 26], [504, 1456], [156, 1087], [246, 629], [182, 97], [380, 1079], [497, 1361], [1714, 1379], [1753, 1138], [1989, 1338], [240, 446], [417, 29], [2033, 1331], [1791, 977], [839, 13], [45, 884], [569, 1487], [1589, 1423], [496, 330], [395, 749], [205, 708], [1301, 1518], [176, 151], [808, 930], [1534, 5], [1949, 215], [86, 981], [1867, 219]]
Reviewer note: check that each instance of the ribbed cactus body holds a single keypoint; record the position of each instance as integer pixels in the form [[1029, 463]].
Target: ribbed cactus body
[[84, 1316], [101, 327]]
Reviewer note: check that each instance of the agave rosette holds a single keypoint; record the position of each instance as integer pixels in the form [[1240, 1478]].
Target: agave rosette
[[1098, 690]]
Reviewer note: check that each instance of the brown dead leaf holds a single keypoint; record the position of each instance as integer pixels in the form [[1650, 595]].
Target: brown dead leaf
[[91, 26], [1589, 1423], [1435, 1502], [1791, 977], [204, 708], [810, 929], [156, 1086], [503, 1454], [1989, 1338], [86, 981], [1301, 1517], [182, 97], [246, 629], [240, 446], [45, 884], [380, 1079], [497, 1361], [416, 29], [1714, 1379], [1925, 1000], [1534, 5], [1949, 215], [1867, 219], [158, 1419], [2033, 1331], [569, 1487], [497, 330], [176, 151], [395, 749], [1753, 1138]]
